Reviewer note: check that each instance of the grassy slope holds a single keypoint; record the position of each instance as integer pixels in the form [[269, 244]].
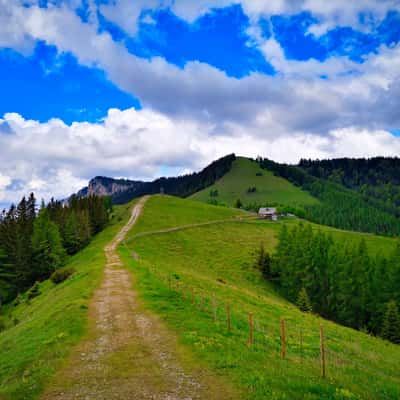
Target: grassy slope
[[202, 257], [270, 188], [53, 322]]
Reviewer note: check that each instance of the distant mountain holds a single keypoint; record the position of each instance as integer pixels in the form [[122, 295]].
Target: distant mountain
[[103, 186], [123, 190]]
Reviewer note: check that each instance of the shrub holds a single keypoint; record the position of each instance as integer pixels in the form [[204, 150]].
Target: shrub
[[259, 174], [214, 193], [61, 274], [303, 301], [18, 300], [33, 292], [2, 324], [238, 203]]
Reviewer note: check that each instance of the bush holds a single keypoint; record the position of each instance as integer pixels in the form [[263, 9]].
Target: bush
[[33, 292], [61, 274], [18, 300], [2, 324], [238, 203]]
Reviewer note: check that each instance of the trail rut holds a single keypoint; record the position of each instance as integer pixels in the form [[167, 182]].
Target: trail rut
[[127, 352]]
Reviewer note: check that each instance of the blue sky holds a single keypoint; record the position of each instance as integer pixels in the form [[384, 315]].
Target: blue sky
[[47, 84], [133, 87]]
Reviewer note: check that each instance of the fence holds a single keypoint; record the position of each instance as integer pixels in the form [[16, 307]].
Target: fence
[[311, 348], [249, 329]]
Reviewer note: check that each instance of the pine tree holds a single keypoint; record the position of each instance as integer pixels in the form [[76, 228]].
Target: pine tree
[[264, 262], [24, 247], [84, 228], [71, 234], [391, 323], [7, 279], [303, 301], [46, 242]]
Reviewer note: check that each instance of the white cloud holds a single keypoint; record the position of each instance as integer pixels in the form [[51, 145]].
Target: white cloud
[[53, 159], [4, 182], [195, 114], [330, 13]]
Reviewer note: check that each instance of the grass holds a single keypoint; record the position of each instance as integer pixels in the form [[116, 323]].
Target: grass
[[53, 322], [217, 260], [269, 188]]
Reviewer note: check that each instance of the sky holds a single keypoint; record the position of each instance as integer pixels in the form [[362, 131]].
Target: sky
[[143, 88]]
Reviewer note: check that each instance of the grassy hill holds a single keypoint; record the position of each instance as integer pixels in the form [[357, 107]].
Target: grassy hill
[[40, 334], [246, 173], [217, 261]]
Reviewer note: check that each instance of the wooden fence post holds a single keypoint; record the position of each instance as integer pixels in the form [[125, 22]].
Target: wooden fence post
[[228, 317], [177, 286], [251, 329], [322, 343], [283, 337], [169, 283], [183, 290]]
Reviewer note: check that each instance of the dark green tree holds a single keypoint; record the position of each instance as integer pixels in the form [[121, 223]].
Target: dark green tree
[[264, 262], [48, 251], [303, 301], [391, 323], [238, 203]]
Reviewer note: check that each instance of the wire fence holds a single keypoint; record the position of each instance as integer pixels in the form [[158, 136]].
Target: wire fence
[[282, 339]]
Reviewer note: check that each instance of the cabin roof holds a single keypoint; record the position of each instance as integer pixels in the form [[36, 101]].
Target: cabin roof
[[267, 210]]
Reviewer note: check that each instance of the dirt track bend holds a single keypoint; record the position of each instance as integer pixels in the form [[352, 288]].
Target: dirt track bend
[[128, 353]]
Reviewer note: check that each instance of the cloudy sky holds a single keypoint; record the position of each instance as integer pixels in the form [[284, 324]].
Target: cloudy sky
[[142, 88]]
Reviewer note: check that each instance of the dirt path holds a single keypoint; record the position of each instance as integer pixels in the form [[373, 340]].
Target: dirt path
[[190, 226], [128, 353]]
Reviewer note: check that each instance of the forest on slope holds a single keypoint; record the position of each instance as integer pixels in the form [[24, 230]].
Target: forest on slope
[[341, 281], [340, 206], [35, 243]]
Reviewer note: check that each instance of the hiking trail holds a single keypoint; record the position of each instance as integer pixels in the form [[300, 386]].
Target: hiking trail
[[127, 352]]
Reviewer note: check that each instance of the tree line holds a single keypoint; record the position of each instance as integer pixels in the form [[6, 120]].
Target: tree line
[[181, 186], [339, 206], [341, 282], [377, 177], [34, 242]]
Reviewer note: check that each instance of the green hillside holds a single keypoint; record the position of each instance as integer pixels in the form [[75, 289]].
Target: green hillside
[[39, 334], [217, 260], [245, 174]]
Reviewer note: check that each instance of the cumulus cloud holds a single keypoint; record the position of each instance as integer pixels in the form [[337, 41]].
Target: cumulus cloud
[[4, 182], [54, 159], [194, 114], [293, 99], [126, 13]]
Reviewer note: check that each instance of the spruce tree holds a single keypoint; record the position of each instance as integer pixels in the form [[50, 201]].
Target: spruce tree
[[71, 234], [264, 262], [303, 301], [391, 323], [24, 247], [46, 242]]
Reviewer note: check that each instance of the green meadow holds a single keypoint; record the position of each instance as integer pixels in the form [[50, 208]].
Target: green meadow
[[218, 262], [245, 174], [40, 333]]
